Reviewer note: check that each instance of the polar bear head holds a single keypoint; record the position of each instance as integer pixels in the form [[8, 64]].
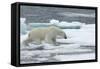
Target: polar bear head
[[58, 32]]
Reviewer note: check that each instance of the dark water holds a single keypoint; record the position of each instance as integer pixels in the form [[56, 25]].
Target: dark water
[[45, 14]]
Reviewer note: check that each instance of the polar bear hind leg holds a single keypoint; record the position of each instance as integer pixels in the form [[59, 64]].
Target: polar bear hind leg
[[27, 41]]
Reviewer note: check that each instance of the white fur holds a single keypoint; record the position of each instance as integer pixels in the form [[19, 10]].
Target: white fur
[[47, 34]]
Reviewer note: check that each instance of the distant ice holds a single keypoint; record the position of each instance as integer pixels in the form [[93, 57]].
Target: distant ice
[[61, 24], [54, 21], [23, 26]]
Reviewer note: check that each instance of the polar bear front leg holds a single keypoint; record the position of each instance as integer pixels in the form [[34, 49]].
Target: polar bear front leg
[[37, 41], [54, 42], [51, 41]]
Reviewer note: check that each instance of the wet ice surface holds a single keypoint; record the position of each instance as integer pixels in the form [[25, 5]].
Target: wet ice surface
[[80, 45]]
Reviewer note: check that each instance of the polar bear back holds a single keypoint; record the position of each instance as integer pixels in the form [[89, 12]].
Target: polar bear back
[[38, 33]]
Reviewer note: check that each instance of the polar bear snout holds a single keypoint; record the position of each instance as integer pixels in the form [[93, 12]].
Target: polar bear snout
[[65, 37]]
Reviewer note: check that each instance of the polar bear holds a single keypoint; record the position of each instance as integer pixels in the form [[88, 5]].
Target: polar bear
[[48, 34]]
